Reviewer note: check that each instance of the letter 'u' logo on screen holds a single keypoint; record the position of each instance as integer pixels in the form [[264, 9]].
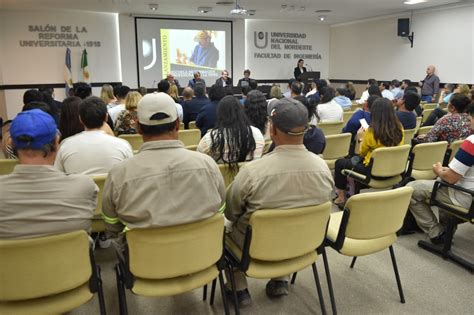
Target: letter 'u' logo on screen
[[258, 37], [148, 49]]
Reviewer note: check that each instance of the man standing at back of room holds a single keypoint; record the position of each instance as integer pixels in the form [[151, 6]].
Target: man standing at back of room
[[430, 85], [164, 184], [36, 200], [269, 183]]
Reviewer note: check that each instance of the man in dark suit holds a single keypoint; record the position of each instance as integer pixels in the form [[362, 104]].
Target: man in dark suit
[[196, 78], [193, 107], [224, 80], [245, 81]]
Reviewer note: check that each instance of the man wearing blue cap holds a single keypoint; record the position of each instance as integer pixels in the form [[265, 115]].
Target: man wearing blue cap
[[37, 200]]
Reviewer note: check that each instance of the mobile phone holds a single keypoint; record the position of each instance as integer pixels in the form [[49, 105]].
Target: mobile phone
[[364, 123]]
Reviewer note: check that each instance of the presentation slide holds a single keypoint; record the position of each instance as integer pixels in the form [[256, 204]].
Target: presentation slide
[[182, 47]]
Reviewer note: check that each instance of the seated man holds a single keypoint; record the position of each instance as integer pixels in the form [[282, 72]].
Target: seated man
[[270, 182], [92, 151], [245, 81], [164, 86], [192, 107], [406, 105], [460, 172], [164, 184], [196, 79], [36, 200]]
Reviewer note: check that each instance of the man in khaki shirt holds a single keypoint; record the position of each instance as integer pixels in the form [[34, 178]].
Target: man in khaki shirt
[[164, 184], [288, 177], [36, 200]]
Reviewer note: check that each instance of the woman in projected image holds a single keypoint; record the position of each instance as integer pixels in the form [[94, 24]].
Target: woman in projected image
[[205, 53]]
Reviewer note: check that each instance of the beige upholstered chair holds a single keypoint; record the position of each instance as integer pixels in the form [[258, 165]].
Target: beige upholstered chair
[[97, 222], [268, 143], [331, 128], [356, 106], [456, 215], [181, 126], [369, 224], [48, 275], [426, 114], [408, 135], [337, 147], [192, 147], [7, 166], [269, 253], [386, 167], [453, 149], [346, 116], [172, 260], [418, 123], [192, 125], [424, 130], [190, 136], [227, 174], [429, 106], [422, 158], [135, 140]]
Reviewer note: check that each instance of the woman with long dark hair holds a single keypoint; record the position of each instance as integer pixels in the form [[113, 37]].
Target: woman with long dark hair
[[69, 123], [233, 140], [385, 131], [255, 108]]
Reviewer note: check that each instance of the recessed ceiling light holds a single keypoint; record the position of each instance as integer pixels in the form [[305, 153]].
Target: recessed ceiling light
[[322, 11], [322, 17], [204, 9], [410, 2], [153, 6]]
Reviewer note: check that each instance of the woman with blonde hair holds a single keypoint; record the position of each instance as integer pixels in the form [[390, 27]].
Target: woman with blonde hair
[[173, 92], [107, 95], [127, 120]]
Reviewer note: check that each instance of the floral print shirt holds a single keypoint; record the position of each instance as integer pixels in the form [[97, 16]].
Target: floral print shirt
[[449, 128]]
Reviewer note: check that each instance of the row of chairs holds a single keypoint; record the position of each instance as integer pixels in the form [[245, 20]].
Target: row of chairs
[[173, 260]]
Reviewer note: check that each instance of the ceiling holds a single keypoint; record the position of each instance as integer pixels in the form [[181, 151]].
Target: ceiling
[[303, 10]]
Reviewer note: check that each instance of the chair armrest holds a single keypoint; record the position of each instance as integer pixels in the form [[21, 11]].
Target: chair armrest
[[438, 184], [355, 175], [244, 261]]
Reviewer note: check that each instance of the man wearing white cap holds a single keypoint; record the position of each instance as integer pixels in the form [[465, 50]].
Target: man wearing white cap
[[164, 184]]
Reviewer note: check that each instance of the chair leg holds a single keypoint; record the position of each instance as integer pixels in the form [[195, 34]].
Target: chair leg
[[353, 261], [318, 287], [328, 278], [293, 278], [213, 291], [451, 227], [397, 276], [121, 292], [100, 292], [234, 290], [204, 293], [224, 296]]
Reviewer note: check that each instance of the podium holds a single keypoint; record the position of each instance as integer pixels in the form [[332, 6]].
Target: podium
[[308, 77]]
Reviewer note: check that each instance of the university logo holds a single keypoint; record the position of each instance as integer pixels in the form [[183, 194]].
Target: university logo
[[260, 39]]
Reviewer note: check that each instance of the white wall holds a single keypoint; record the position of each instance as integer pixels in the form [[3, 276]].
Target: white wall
[[43, 65], [316, 36], [443, 37]]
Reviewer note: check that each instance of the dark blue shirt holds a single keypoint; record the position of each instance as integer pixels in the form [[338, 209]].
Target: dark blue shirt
[[353, 125], [191, 109], [408, 119], [207, 117]]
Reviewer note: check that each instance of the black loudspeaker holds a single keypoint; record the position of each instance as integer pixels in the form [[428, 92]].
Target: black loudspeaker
[[403, 27]]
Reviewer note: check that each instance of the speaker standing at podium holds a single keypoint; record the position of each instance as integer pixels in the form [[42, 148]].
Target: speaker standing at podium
[[299, 70]]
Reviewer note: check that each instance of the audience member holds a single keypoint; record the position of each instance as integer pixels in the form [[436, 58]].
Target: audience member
[[406, 83], [192, 107], [365, 94], [50, 98], [81, 90], [107, 95], [312, 90], [196, 79], [38, 105], [224, 80], [6, 146], [173, 92], [255, 109], [269, 183], [69, 123], [36, 200], [385, 90], [92, 151], [207, 116], [121, 95], [313, 139], [127, 120], [275, 92], [287, 94], [342, 98], [396, 90], [385, 131], [164, 86], [233, 140], [453, 126], [446, 93], [405, 107], [296, 88], [131, 198], [142, 90], [350, 86], [245, 91], [188, 94], [245, 81], [430, 85], [32, 95], [328, 110], [459, 172]]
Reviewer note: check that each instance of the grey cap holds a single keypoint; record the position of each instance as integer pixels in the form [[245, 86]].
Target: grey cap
[[289, 114]]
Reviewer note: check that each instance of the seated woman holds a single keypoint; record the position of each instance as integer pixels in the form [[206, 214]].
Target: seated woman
[[127, 120], [255, 108], [453, 126], [233, 140], [437, 113], [328, 110], [385, 131]]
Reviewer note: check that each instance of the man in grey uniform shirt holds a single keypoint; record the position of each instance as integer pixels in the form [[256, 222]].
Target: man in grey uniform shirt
[[36, 199], [430, 85]]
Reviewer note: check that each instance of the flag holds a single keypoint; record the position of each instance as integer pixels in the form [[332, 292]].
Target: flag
[[67, 71], [84, 64]]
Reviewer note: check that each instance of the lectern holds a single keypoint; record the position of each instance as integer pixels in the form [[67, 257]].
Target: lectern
[[308, 77]]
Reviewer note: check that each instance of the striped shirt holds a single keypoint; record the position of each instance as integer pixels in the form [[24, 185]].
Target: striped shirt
[[462, 165]]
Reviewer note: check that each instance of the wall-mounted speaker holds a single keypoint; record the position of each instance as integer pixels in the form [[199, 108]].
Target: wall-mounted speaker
[[403, 27]]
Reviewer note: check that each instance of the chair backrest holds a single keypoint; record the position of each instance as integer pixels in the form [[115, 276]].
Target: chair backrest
[[190, 136], [99, 181], [279, 234], [192, 125], [7, 166], [331, 128], [426, 114], [135, 140], [356, 106], [430, 106], [418, 122], [337, 146], [227, 174], [346, 116], [377, 214], [409, 134], [174, 251], [39, 267], [454, 146], [424, 130], [390, 161], [268, 143], [427, 154], [181, 126]]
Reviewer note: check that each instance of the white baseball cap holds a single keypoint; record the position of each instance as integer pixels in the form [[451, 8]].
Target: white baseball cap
[[156, 109]]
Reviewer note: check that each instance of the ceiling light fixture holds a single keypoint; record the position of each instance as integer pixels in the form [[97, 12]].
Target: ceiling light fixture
[[153, 6], [204, 10], [411, 2], [238, 10], [322, 18]]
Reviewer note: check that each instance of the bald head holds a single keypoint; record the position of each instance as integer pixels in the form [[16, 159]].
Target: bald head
[[430, 70]]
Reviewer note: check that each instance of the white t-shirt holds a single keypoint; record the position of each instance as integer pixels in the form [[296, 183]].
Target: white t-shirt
[[179, 108], [115, 111], [462, 164], [91, 152], [329, 112], [387, 94], [364, 97]]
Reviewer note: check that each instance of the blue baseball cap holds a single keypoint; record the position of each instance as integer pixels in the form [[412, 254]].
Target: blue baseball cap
[[37, 127]]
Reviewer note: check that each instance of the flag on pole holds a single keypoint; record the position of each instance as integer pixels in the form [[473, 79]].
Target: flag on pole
[[84, 64], [67, 71]]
